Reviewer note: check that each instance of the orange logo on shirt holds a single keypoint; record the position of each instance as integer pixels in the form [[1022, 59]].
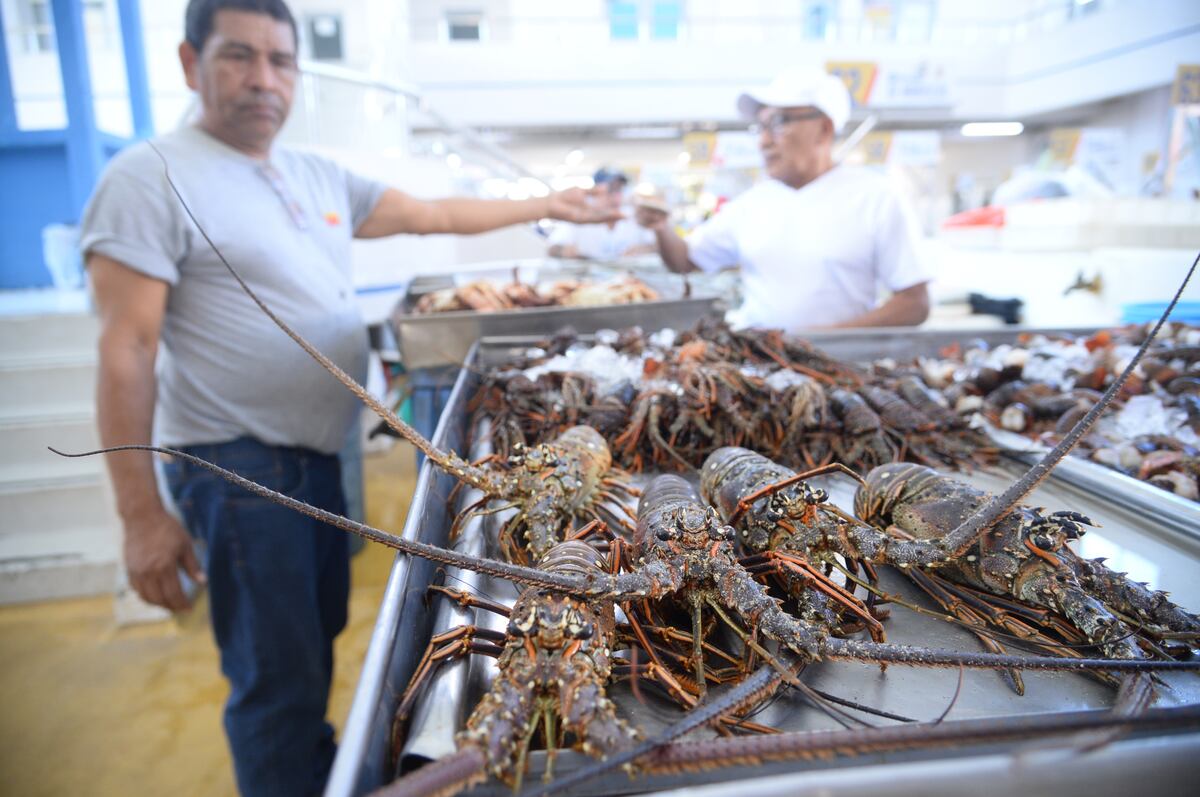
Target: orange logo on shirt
[[332, 218]]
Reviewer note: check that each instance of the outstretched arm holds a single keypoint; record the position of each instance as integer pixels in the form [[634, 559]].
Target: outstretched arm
[[397, 212], [671, 247], [906, 308]]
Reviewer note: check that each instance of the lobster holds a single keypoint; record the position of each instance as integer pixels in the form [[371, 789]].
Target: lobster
[[863, 439], [789, 527], [1024, 557], [554, 663]]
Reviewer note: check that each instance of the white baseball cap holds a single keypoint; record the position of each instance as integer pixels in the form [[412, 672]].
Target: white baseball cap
[[797, 87]]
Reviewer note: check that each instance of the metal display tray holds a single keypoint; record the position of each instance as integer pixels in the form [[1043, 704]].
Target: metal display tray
[[1165, 553], [437, 339]]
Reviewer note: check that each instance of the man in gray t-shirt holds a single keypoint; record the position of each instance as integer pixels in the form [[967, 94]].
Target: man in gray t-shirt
[[231, 387]]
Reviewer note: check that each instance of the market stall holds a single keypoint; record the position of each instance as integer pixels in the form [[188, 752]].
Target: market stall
[[1147, 532]]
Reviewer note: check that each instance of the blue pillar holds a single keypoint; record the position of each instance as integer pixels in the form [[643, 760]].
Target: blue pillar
[[85, 156], [8, 106], [135, 67]]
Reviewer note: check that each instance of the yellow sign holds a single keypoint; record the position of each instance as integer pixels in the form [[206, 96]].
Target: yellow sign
[[700, 145], [859, 77], [1186, 90], [1064, 143]]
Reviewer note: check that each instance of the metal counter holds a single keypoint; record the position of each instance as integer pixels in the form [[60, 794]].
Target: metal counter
[[439, 339], [1133, 536]]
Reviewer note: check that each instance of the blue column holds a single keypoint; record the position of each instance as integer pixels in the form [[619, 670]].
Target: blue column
[[8, 106], [85, 157], [135, 67]]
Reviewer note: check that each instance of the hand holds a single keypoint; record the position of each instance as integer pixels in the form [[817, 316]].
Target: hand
[[640, 249], [565, 251], [156, 546], [652, 218], [573, 205]]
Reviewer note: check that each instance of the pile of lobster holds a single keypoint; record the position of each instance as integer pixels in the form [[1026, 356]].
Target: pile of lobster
[[743, 583], [1042, 386], [666, 403]]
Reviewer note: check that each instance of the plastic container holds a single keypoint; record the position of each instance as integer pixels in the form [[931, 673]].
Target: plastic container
[[1145, 312], [60, 251]]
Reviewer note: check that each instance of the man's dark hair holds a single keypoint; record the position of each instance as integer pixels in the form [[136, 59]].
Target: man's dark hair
[[198, 19], [615, 180]]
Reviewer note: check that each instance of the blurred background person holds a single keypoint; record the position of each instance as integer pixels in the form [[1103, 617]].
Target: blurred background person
[[817, 242], [610, 241]]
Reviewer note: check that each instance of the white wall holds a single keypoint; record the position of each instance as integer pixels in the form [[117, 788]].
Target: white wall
[[1144, 118], [563, 74]]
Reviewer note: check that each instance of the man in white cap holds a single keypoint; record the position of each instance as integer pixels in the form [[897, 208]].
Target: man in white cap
[[817, 243]]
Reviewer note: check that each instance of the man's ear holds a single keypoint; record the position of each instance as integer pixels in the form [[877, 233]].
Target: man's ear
[[189, 59]]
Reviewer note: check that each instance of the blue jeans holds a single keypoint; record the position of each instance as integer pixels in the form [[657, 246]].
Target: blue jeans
[[278, 586]]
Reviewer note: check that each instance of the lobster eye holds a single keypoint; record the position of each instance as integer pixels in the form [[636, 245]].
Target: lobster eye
[[522, 624], [1042, 541], [718, 532]]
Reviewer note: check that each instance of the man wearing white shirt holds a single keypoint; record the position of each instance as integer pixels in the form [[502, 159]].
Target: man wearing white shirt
[[817, 242]]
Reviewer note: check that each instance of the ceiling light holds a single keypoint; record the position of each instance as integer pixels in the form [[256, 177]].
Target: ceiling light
[[454, 160], [684, 158], [574, 157], [646, 132], [980, 129]]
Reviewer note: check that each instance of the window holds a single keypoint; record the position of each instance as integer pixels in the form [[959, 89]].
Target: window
[[630, 20], [36, 26], [464, 26], [324, 36], [664, 20], [623, 20], [817, 20], [35, 23]]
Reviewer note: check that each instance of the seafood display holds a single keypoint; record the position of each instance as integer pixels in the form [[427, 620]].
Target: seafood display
[[754, 578], [666, 401], [486, 296], [1040, 386]]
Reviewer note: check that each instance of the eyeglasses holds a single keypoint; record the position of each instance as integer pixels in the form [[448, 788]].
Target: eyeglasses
[[775, 123]]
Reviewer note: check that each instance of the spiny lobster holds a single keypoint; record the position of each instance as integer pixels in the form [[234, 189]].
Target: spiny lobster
[[555, 662]]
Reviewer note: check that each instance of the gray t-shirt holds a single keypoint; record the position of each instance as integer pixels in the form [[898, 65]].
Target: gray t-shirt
[[225, 370]]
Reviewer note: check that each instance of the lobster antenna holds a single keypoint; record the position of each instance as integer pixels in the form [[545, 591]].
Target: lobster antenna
[[459, 468], [558, 582], [999, 506], [705, 754]]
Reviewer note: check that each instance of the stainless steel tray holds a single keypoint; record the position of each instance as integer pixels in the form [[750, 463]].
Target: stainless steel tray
[[437, 339], [1168, 559]]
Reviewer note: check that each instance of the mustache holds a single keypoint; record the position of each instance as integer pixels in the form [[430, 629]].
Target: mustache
[[258, 99]]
